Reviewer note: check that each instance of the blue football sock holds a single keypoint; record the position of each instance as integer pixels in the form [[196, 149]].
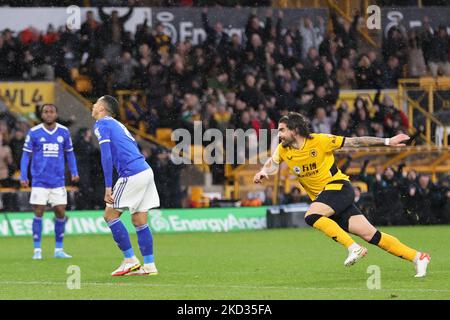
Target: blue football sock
[[60, 225], [120, 235], [37, 231], [145, 240]]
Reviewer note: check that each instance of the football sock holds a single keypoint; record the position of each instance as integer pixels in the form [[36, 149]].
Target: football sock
[[145, 241], [60, 225], [37, 231], [120, 235], [330, 228], [393, 245]]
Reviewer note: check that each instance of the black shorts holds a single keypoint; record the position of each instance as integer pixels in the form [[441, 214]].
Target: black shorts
[[340, 196]]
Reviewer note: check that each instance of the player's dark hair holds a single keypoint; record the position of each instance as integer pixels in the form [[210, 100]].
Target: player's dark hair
[[297, 122], [112, 105], [41, 108]]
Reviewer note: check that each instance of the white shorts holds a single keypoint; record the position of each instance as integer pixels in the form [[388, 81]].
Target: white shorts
[[42, 196], [138, 193]]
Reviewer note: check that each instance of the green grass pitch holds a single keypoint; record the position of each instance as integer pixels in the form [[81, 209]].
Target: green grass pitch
[[269, 264]]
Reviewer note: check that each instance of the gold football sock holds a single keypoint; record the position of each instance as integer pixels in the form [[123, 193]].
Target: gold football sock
[[394, 246], [334, 231]]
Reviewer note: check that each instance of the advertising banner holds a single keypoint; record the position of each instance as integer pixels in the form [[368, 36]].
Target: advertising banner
[[180, 23], [411, 17], [160, 221], [24, 96]]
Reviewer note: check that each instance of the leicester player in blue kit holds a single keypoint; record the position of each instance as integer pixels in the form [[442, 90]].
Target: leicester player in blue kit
[[47, 145], [134, 190]]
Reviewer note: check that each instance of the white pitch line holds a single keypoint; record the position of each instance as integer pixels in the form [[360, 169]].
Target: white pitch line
[[218, 286]]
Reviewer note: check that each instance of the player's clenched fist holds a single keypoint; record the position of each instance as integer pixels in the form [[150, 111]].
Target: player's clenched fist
[[260, 176]]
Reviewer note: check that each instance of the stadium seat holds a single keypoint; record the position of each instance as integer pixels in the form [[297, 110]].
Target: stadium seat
[[362, 185], [197, 199], [164, 134], [83, 84]]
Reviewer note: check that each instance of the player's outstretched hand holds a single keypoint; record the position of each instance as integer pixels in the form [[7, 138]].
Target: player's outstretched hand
[[259, 177], [24, 184], [397, 140], [108, 196], [75, 178]]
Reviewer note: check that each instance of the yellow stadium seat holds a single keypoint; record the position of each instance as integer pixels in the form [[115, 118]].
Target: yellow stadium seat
[[164, 134], [196, 193], [83, 84], [362, 185]]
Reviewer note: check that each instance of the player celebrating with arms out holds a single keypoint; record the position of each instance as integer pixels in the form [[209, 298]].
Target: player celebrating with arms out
[[46, 145], [134, 190], [310, 157]]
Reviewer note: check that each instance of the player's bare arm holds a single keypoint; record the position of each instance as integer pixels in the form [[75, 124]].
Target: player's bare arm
[[396, 141], [269, 168]]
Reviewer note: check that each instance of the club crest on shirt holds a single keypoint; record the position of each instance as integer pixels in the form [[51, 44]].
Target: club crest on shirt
[[313, 153], [60, 139], [333, 137]]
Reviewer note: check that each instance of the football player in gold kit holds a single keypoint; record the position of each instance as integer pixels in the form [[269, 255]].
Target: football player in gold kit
[[332, 211]]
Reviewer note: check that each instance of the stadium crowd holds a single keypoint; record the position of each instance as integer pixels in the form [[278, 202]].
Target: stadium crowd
[[232, 82], [226, 81], [395, 196]]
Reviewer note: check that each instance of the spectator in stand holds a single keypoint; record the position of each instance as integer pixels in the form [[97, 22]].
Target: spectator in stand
[[6, 162], [169, 112], [345, 75], [341, 127], [249, 92], [396, 45], [420, 199], [312, 36], [216, 38], [294, 196], [85, 155], [365, 76], [321, 123], [377, 68], [438, 52], [416, 60], [387, 192], [253, 26], [161, 41], [89, 28], [16, 145], [113, 29], [391, 73], [125, 72], [190, 111], [345, 32], [167, 178]]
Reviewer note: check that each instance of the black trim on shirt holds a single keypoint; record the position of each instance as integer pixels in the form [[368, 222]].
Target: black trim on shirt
[[333, 169]]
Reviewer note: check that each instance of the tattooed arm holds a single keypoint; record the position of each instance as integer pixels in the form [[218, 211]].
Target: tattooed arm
[[395, 141]]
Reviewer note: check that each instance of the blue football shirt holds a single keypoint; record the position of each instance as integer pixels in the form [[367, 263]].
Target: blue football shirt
[[126, 157], [48, 150]]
